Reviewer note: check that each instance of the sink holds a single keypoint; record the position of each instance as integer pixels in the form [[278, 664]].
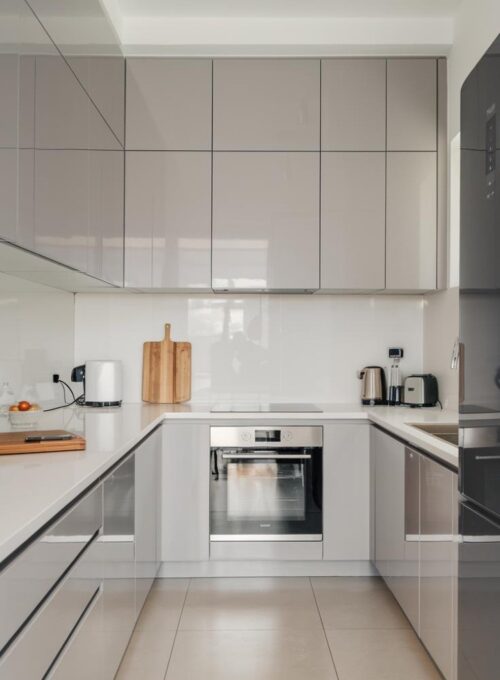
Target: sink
[[448, 432]]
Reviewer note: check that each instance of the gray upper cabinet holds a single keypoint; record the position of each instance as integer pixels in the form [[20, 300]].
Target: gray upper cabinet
[[168, 224], [353, 104], [265, 221], [412, 105], [352, 221], [169, 104], [266, 104], [411, 221]]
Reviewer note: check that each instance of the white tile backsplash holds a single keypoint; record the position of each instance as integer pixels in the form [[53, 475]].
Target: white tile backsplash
[[281, 347], [36, 338]]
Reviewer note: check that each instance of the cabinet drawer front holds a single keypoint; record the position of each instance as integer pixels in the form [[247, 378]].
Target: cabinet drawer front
[[33, 652], [27, 580]]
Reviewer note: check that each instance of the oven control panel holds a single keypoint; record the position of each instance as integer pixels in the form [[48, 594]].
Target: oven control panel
[[266, 436]]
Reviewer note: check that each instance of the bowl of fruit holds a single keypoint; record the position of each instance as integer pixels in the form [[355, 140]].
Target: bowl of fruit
[[24, 414]]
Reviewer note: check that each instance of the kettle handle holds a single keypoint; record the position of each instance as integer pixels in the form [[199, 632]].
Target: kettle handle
[[361, 374]]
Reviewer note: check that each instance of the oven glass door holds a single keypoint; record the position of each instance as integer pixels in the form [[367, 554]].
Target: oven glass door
[[265, 495]]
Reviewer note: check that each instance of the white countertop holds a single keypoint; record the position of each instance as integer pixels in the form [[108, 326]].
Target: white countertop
[[35, 487]]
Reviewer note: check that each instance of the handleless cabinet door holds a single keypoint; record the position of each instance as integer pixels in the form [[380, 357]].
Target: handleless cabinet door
[[265, 221], [389, 469], [411, 221], [266, 104], [185, 474], [352, 221], [168, 220], [169, 104], [412, 105], [105, 236], [353, 104], [438, 552], [346, 480]]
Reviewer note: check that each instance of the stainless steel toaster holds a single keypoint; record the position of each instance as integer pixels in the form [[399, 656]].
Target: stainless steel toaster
[[421, 390]]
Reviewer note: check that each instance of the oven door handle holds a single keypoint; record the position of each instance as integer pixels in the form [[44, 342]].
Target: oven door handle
[[266, 456]]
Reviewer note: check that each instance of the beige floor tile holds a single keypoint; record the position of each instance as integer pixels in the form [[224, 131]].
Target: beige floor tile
[[147, 655], [250, 604], [251, 655], [164, 604], [380, 655], [361, 602]]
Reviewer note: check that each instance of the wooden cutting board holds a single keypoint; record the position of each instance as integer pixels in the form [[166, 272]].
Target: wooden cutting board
[[13, 442], [166, 371]]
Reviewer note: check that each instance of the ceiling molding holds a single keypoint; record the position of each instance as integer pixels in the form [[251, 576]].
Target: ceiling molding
[[284, 36]]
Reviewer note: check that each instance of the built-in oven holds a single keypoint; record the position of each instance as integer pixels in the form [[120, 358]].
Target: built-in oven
[[478, 652], [266, 483]]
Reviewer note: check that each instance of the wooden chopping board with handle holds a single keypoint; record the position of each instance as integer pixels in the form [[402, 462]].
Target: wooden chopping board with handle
[[166, 371]]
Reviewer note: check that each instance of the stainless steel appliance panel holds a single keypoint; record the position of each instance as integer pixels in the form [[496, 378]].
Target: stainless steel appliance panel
[[266, 483], [30, 576]]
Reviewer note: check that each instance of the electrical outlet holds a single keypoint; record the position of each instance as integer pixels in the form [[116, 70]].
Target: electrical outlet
[[55, 377]]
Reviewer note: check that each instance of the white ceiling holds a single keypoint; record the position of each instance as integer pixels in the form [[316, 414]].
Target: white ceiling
[[287, 8]]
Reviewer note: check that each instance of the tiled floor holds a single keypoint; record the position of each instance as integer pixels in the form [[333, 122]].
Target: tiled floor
[[274, 629]]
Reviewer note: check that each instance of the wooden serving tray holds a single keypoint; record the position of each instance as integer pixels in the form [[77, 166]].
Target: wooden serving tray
[[13, 442]]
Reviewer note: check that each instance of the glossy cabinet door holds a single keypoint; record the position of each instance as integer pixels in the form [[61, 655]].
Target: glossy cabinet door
[[412, 105], [266, 104], [106, 214], [411, 221], [438, 566], [168, 220], [185, 493], [346, 480], [147, 514], [396, 520], [169, 104], [352, 221], [353, 105], [265, 221]]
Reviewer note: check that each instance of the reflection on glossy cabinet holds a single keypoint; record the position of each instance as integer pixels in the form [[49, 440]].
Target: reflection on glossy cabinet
[[411, 221], [438, 562], [105, 219], [353, 104], [265, 221], [352, 221], [61, 205], [346, 479], [168, 220], [185, 476], [169, 104], [65, 116], [412, 105], [266, 104]]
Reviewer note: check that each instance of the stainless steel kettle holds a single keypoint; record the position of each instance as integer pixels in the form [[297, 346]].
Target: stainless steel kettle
[[373, 387]]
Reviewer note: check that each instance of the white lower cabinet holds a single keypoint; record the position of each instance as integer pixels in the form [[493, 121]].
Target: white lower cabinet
[[415, 551], [185, 493], [346, 492]]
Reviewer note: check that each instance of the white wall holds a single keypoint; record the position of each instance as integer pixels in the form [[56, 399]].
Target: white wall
[[292, 348], [440, 332], [36, 337], [476, 26]]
